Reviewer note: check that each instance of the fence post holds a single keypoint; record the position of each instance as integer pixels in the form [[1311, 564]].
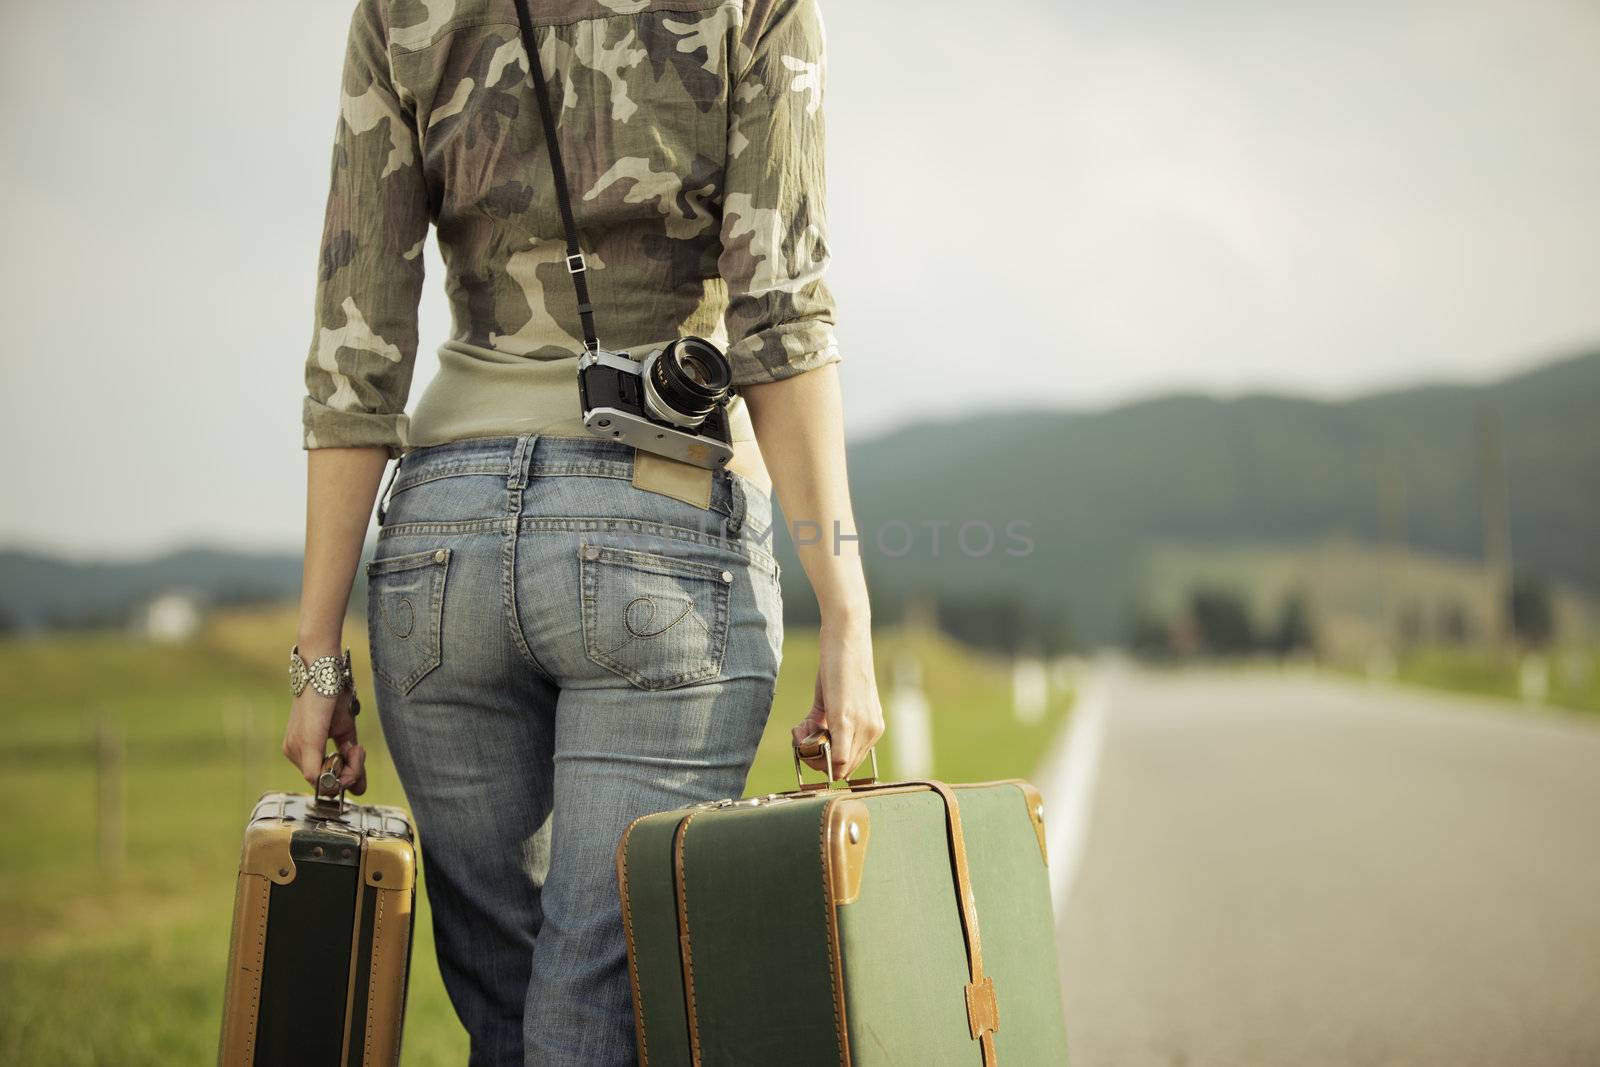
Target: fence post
[[110, 794], [910, 716]]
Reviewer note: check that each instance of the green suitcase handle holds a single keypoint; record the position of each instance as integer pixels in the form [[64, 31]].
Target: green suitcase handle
[[820, 743]]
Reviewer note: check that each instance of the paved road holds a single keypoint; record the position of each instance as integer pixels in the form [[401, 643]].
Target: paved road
[[1287, 870]]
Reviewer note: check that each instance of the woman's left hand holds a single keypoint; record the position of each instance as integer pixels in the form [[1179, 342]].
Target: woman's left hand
[[845, 700]]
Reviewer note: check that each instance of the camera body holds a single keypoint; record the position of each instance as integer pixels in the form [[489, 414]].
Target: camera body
[[673, 403]]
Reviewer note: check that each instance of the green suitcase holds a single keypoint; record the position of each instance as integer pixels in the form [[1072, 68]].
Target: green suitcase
[[826, 926]]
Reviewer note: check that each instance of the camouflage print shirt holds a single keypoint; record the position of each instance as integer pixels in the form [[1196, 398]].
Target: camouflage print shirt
[[692, 133]]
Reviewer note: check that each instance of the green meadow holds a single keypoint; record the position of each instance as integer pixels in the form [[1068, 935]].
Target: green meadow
[[113, 934], [1565, 678]]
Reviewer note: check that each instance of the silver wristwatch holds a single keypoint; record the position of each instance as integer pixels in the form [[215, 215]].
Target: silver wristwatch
[[328, 675]]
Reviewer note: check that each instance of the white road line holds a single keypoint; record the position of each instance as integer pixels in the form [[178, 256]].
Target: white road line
[[1066, 782]]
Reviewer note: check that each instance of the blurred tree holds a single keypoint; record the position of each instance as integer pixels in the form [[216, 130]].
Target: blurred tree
[[1294, 632], [1223, 622], [991, 622], [1412, 625], [1531, 611], [1055, 631], [1004, 623], [1148, 635], [1455, 624], [244, 593]]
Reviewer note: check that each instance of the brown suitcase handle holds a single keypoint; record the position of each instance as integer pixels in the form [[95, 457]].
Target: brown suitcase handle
[[329, 792], [820, 743]]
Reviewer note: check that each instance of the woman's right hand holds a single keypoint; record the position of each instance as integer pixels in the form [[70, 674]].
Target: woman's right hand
[[313, 719], [341, 484], [845, 699]]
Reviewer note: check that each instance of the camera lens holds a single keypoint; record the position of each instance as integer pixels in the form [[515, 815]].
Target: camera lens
[[686, 381], [694, 367]]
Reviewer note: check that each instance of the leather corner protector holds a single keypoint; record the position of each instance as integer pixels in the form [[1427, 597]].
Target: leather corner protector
[[849, 831], [1036, 815], [391, 863], [266, 851]]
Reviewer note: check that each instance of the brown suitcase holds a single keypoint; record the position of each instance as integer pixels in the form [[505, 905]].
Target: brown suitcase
[[322, 926]]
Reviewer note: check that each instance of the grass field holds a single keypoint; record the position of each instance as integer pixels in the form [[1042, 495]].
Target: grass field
[[121, 963], [1569, 678]]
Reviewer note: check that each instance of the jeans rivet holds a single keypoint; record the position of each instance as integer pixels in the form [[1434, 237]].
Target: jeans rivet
[[590, 552], [440, 556], [727, 576]]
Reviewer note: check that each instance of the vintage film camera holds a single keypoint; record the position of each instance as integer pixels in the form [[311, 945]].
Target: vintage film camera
[[673, 403]]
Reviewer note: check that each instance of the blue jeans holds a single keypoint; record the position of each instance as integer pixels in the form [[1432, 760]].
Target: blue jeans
[[556, 653]]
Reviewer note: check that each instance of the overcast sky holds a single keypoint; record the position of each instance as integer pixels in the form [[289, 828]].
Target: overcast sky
[[1052, 201]]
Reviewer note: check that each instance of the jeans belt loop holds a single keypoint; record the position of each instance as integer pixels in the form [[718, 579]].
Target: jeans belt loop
[[521, 462], [388, 488]]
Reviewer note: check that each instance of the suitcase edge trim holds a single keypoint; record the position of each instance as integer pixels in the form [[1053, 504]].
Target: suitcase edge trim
[[825, 837], [680, 890], [388, 976], [382, 1011], [627, 934], [831, 817], [264, 859], [241, 999]]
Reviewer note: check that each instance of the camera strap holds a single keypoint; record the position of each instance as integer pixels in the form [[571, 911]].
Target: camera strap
[[576, 266]]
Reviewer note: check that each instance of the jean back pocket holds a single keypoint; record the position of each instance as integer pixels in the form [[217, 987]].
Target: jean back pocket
[[658, 621], [405, 604]]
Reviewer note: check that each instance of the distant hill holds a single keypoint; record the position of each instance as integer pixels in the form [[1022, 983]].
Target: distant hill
[[1099, 493], [39, 591]]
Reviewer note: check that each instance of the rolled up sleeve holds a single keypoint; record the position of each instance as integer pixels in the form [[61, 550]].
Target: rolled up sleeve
[[780, 314], [369, 280]]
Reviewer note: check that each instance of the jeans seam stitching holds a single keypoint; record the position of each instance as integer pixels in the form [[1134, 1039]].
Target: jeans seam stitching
[[559, 524], [508, 589], [408, 529]]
